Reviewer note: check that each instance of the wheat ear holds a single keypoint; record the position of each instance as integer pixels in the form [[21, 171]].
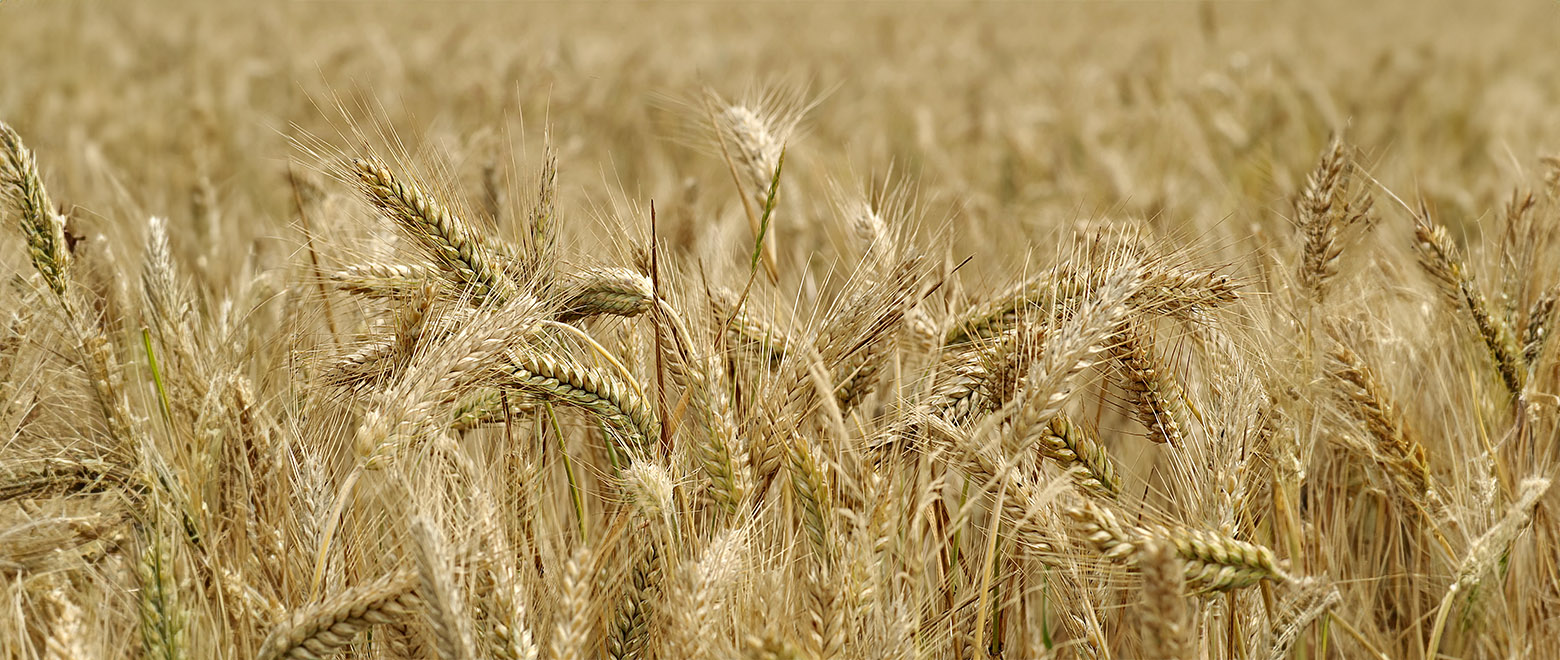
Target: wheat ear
[[542, 224], [1081, 454], [1486, 551], [1401, 455], [605, 291], [1540, 322], [1155, 395], [43, 228], [715, 446], [321, 629], [445, 607], [1165, 622], [1322, 211], [1312, 600], [1211, 560], [377, 280], [1162, 290], [1440, 257], [629, 637], [588, 388], [825, 615], [574, 610], [811, 488], [446, 238], [747, 329]]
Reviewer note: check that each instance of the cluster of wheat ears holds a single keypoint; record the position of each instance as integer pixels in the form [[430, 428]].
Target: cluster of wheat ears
[[502, 450]]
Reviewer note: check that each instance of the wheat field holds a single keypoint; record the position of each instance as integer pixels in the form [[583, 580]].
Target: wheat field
[[946, 330]]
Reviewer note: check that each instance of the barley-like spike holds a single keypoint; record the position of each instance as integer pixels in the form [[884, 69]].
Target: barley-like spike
[[66, 636], [715, 446], [605, 291], [162, 285], [1312, 600], [1070, 446], [321, 629], [1211, 560], [757, 145], [1155, 395], [377, 280], [487, 408], [826, 616], [591, 389], [855, 342], [1164, 291], [444, 605], [747, 329], [1322, 210], [1397, 451], [574, 611], [1540, 324], [509, 636], [543, 220], [370, 365], [57, 477], [163, 620], [1217, 562], [629, 638], [811, 487], [1487, 550], [1166, 626], [958, 393], [448, 240], [1073, 348], [41, 226], [1442, 260]]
